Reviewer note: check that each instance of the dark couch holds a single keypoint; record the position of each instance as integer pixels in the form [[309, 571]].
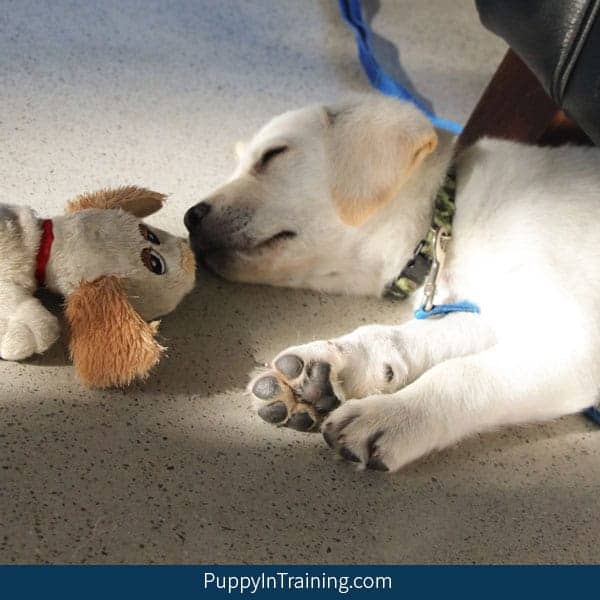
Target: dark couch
[[559, 40]]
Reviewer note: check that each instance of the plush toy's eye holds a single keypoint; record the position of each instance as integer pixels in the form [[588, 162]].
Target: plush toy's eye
[[154, 261], [149, 235], [152, 238]]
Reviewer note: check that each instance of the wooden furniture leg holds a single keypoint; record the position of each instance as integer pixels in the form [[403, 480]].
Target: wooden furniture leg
[[515, 106]]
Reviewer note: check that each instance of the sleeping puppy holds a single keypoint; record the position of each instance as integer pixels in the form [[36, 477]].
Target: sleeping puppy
[[337, 198]]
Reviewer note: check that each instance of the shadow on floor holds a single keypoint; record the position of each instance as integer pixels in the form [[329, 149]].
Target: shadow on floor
[[208, 331], [150, 477]]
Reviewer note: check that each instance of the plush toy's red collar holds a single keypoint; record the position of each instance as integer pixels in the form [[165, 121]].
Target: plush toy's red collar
[[43, 255]]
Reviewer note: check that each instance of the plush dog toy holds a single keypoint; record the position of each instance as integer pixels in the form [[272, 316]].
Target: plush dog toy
[[115, 273]]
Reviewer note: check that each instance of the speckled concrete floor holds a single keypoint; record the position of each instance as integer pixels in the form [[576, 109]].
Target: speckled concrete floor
[[178, 469]]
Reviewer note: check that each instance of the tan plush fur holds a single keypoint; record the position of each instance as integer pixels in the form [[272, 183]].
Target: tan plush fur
[[188, 260], [110, 343], [140, 202]]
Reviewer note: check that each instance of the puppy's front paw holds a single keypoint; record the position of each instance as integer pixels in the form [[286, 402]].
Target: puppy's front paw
[[380, 433], [302, 388]]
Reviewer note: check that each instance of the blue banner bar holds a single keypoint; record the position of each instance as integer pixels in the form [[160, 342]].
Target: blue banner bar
[[166, 582]]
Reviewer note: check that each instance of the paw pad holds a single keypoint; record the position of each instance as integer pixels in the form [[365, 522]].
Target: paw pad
[[301, 421], [289, 366], [299, 393], [273, 413], [266, 387]]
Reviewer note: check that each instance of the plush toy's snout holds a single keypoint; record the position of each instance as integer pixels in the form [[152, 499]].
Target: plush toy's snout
[[163, 272]]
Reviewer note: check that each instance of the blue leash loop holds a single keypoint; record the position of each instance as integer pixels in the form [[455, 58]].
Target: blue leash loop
[[352, 14], [445, 309]]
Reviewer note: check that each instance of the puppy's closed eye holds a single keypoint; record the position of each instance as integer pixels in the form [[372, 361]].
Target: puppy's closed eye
[[268, 156]]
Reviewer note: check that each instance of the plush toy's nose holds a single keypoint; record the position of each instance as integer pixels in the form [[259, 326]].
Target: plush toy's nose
[[194, 215]]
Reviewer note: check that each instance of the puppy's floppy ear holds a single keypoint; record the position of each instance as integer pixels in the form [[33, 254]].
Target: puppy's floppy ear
[[140, 202], [110, 343], [372, 148]]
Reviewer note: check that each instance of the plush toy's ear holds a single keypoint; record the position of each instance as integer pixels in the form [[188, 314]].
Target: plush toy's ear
[[132, 199], [110, 343], [372, 149]]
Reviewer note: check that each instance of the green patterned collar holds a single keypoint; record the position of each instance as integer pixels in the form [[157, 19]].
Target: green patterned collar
[[417, 268]]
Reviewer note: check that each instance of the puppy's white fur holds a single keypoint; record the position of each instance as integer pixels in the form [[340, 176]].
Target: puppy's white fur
[[525, 248]]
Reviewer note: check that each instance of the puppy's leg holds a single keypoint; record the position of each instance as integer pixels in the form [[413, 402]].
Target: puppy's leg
[[26, 327], [307, 382], [459, 397]]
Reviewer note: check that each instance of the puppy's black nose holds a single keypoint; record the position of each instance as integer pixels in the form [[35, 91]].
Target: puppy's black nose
[[195, 214]]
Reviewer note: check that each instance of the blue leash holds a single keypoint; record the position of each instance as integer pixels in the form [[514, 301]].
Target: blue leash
[[379, 79]]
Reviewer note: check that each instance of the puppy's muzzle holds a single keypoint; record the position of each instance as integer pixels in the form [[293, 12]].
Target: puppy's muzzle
[[222, 229]]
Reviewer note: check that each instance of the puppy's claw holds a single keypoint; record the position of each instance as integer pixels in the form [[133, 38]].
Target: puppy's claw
[[329, 439], [376, 464], [348, 455]]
